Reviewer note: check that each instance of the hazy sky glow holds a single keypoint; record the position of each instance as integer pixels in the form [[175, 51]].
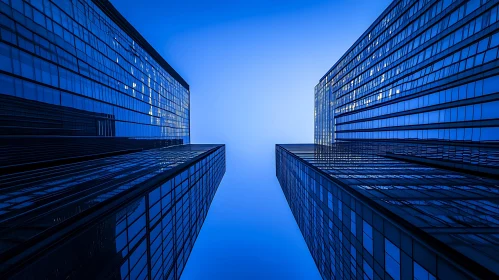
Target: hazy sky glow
[[252, 66]]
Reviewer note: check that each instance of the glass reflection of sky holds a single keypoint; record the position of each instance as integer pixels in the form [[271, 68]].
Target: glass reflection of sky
[[460, 209], [51, 199]]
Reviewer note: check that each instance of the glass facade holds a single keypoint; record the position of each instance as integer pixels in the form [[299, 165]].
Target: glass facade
[[367, 215], [425, 70], [401, 181], [78, 68], [98, 177], [133, 216]]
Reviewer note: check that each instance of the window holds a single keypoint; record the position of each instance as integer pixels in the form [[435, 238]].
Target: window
[[27, 69], [330, 200], [489, 134], [495, 40], [422, 274], [353, 259], [7, 83], [333, 260], [491, 85], [490, 55], [489, 110], [340, 215], [482, 46], [5, 58], [353, 224], [367, 237], [368, 271], [392, 259], [472, 5]]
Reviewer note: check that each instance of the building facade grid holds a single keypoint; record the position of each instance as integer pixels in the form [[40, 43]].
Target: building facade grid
[[151, 215], [364, 216], [71, 54], [425, 70]]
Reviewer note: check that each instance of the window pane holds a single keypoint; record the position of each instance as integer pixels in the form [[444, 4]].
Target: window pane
[[392, 260]]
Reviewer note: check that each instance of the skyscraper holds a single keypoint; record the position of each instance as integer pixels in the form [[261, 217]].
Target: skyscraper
[[98, 176], [425, 70], [78, 68], [132, 216], [401, 181]]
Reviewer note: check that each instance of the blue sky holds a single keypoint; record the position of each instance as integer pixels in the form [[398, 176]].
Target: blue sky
[[252, 66]]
